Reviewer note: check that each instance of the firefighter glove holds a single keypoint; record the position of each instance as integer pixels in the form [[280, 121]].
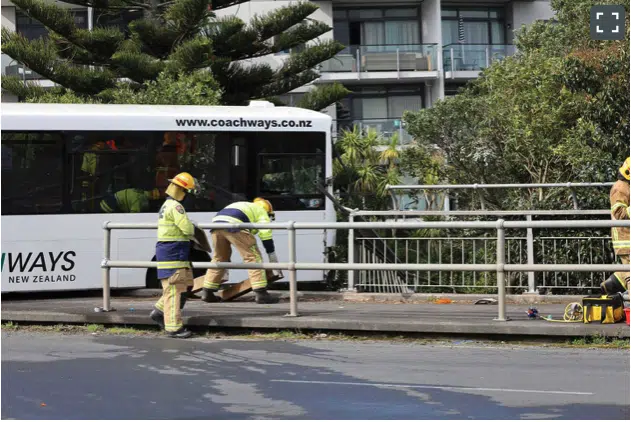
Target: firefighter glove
[[273, 258]]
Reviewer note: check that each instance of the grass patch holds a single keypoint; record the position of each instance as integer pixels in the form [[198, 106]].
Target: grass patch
[[94, 328], [600, 341], [295, 335], [10, 326]]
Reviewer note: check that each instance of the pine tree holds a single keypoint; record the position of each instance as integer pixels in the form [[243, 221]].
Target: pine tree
[[174, 42]]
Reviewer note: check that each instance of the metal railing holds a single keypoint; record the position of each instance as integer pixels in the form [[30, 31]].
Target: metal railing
[[11, 67], [385, 127], [383, 58], [415, 248], [473, 57], [500, 267], [480, 186], [464, 250]]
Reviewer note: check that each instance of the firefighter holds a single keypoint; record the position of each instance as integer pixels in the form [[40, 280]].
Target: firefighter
[[129, 200], [175, 231], [258, 211], [619, 199], [167, 161]]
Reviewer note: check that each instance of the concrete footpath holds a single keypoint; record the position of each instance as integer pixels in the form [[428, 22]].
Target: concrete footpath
[[320, 312]]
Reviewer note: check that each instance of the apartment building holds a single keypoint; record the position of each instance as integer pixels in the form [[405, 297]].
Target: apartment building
[[400, 55]]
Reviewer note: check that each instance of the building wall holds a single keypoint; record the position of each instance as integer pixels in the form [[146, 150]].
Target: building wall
[[526, 12], [431, 33], [8, 21], [517, 14]]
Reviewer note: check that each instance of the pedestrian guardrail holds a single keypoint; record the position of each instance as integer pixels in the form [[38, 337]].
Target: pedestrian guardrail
[[481, 186], [500, 267], [528, 249]]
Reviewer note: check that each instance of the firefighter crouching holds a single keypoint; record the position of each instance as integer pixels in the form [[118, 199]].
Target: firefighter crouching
[[175, 230], [619, 199], [129, 200], [258, 211]]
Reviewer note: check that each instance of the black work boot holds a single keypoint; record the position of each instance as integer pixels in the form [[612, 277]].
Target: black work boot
[[158, 317], [181, 333], [263, 297], [208, 296]]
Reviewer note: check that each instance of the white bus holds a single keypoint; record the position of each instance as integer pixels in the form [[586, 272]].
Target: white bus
[[67, 168]]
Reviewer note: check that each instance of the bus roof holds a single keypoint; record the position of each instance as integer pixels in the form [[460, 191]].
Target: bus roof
[[259, 116]]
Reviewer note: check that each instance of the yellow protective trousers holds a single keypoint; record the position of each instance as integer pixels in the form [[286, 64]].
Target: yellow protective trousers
[[245, 243], [169, 303], [623, 277]]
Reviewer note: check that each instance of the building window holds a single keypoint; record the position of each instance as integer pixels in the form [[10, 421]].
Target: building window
[[32, 173], [453, 89], [33, 29], [380, 108], [117, 19], [377, 27], [473, 25]]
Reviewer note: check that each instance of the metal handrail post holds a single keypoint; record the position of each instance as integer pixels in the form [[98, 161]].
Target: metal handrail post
[[107, 241], [351, 254], [574, 199], [501, 261], [293, 283], [530, 250]]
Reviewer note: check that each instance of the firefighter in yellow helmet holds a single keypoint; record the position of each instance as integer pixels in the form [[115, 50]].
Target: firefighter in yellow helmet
[[619, 199], [257, 211], [175, 231]]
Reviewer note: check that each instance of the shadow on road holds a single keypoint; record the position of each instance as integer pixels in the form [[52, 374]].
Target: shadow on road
[[149, 378]]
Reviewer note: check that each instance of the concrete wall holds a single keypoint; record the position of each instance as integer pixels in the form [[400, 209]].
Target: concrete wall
[[8, 21], [526, 12], [431, 34], [8, 17]]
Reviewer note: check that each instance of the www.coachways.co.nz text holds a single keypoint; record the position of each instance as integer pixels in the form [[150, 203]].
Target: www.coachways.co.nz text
[[241, 122]]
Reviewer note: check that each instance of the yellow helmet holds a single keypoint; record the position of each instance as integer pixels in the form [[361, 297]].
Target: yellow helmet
[[267, 205], [185, 181], [626, 168]]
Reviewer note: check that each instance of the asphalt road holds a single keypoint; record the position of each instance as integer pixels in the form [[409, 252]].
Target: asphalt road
[[53, 376]]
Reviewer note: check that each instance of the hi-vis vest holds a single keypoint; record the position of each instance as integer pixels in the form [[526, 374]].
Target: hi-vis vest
[[174, 233], [619, 199], [127, 200], [248, 212]]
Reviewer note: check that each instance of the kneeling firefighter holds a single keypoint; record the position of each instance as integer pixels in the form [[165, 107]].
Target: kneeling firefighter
[[258, 211], [619, 199], [175, 231]]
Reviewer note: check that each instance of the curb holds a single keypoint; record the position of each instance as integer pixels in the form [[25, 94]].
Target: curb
[[510, 328]]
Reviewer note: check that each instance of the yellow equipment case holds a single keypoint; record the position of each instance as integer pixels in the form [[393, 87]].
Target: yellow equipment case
[[604, 309]]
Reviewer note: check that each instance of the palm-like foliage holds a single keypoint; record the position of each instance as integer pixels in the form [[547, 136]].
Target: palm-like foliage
[[362, 171]]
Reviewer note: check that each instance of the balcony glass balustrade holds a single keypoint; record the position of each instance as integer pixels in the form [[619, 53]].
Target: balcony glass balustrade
[[11, 67], [385, 127], [474, 57], [383, 58]]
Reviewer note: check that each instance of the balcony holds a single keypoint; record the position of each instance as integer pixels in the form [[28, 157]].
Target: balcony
[[465, 61], [386, 127], [11, 67], [383, 63]]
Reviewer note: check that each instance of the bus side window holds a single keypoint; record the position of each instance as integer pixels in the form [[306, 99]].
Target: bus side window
[[32, 173], [113, 172]]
